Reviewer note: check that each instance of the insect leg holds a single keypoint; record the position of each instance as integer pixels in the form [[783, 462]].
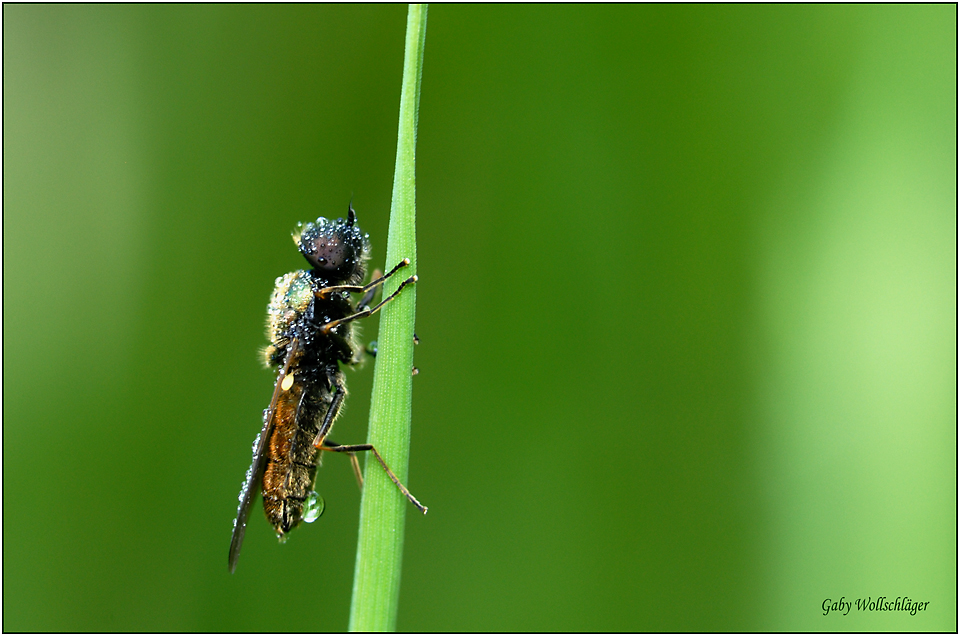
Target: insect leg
[[353, 462], [368, 297], [332, 412], [356, 289], [321, 439], [327, 328], [356, 448]]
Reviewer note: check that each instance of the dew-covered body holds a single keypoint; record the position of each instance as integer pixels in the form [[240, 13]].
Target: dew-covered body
[[296, 312], [311, 332]]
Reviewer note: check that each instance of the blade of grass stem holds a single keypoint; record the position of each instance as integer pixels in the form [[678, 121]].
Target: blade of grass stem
[[376, 584]]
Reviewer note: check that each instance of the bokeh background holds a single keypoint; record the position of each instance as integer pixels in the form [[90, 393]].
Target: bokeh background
[[688, 311]]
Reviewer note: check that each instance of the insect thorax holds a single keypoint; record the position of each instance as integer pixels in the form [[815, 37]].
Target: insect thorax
[[295, 311]]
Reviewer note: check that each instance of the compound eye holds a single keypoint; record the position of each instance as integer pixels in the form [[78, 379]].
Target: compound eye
[[327, 253]]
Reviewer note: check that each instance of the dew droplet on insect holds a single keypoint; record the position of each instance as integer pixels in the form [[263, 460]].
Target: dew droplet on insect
[[312, 507]]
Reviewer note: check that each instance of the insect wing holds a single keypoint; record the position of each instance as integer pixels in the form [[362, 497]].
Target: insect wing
[[250, 489], [254, 475]]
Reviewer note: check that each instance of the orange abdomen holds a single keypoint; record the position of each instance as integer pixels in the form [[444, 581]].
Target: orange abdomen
[[292, 459]]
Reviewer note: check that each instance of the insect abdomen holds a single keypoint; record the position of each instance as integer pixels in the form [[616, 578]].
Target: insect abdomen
[[292, 459]]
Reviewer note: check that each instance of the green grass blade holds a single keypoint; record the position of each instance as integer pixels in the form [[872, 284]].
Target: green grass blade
[[376, 585]]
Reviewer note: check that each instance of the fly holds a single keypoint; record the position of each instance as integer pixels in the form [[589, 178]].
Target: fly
[[309, 325]]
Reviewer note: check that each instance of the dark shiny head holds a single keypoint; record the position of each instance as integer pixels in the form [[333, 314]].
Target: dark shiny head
[[336, 250]]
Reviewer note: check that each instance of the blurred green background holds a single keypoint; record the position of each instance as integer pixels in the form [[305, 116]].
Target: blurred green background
[[687, 310]]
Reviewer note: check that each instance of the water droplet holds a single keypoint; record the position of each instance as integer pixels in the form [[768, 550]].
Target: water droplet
[[312, 507]]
